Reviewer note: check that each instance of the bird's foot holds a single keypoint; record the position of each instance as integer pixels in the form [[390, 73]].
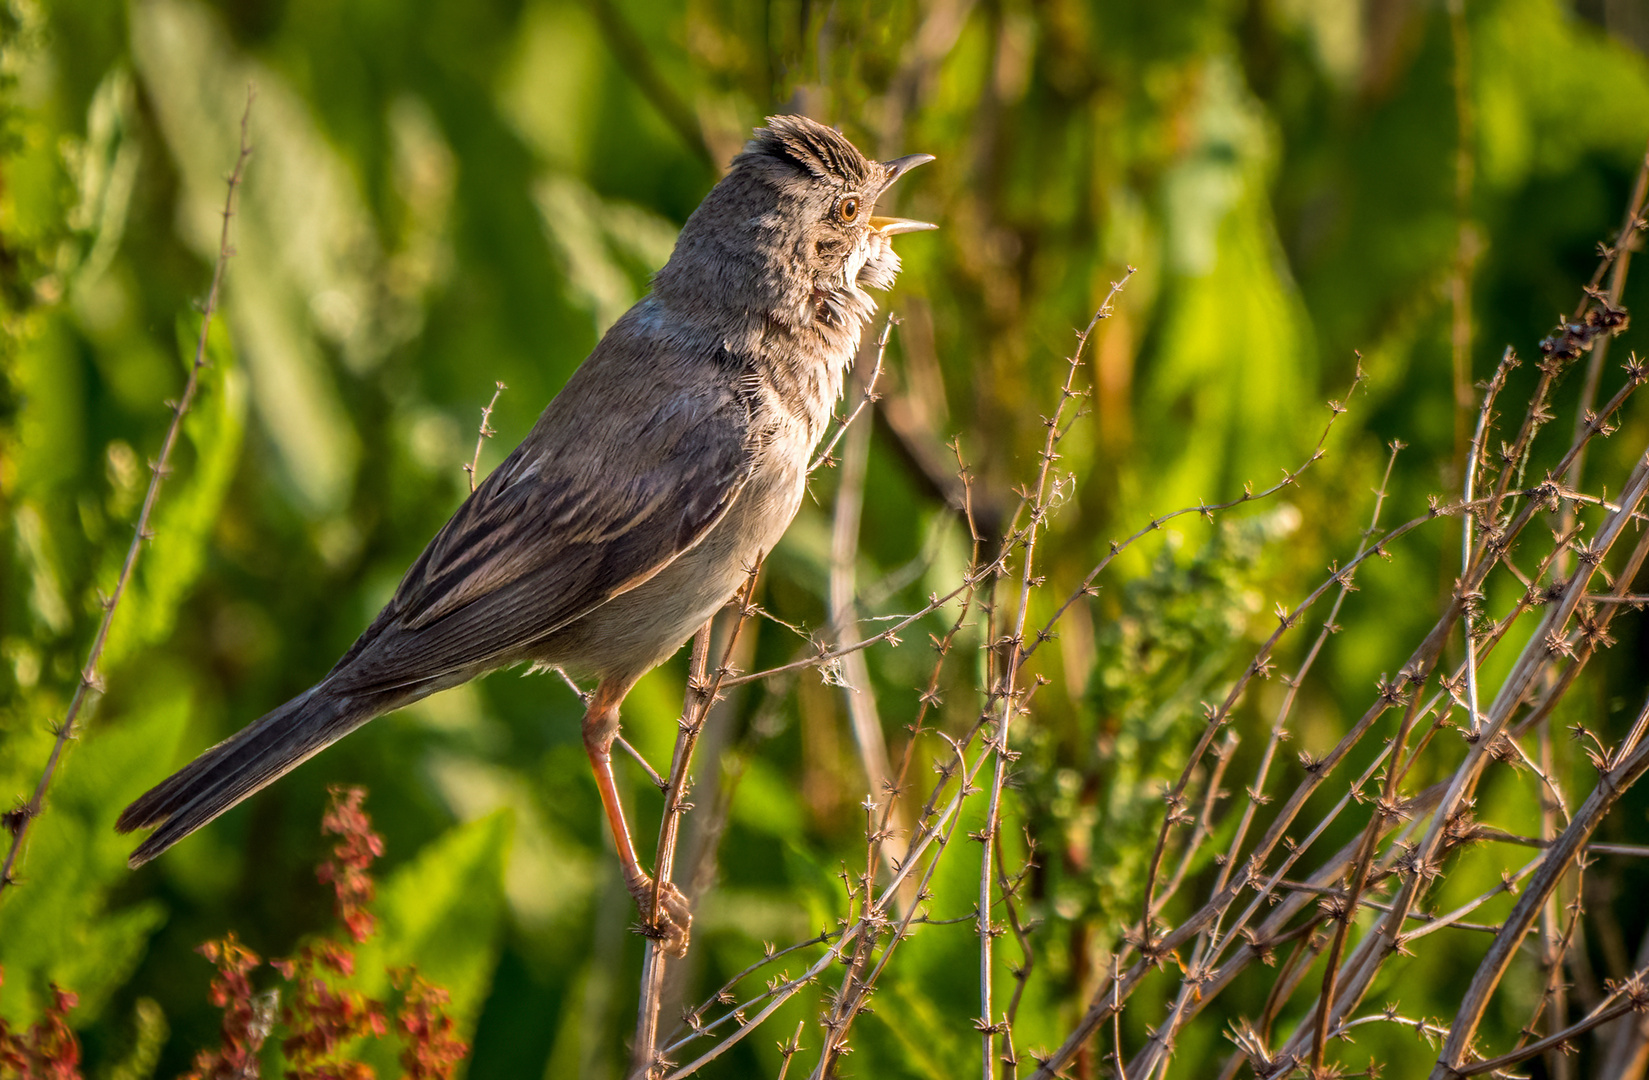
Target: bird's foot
[[671, 925]]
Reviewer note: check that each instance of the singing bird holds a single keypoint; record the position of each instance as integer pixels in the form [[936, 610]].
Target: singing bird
[[674, 458]]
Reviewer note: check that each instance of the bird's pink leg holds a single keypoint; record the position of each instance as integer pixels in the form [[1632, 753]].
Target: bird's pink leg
[[673, 921]]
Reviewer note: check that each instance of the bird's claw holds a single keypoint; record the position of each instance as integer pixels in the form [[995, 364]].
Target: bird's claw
[[671, 925]]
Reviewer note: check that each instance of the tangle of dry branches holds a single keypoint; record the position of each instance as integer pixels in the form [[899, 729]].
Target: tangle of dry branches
[[1428, 739]]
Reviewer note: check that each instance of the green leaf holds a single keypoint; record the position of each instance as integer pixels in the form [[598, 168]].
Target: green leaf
[[149, 1037], [1237, 347], [300, 284], [1537, 116]]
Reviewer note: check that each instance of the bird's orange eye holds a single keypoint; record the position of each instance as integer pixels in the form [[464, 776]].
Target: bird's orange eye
[[848, 208]]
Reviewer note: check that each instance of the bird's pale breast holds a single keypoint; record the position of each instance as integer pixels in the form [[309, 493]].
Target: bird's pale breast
[[639, 629]]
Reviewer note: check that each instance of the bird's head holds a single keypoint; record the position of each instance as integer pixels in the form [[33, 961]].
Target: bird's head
[[795, 218]]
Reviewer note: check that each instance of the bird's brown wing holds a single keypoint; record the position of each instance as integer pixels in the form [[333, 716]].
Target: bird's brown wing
[[599, 498]]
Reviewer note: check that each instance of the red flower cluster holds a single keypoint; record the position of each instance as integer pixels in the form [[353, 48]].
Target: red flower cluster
[[48, 1050], [245, 1020], [348, 869], [320, 1019], [433, 1050]]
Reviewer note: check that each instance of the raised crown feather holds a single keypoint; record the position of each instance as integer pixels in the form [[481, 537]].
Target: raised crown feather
[[822, 152]]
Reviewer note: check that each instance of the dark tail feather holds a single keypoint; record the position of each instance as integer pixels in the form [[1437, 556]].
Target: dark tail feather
[[248, 761]]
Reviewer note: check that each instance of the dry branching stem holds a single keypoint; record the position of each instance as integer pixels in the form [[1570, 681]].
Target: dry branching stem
[[91, 678], [472, 466]]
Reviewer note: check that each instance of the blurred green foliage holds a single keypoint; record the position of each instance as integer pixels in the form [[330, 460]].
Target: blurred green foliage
[[447, 195]]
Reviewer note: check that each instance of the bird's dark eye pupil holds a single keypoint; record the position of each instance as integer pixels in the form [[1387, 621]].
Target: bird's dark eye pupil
[[849, 209]]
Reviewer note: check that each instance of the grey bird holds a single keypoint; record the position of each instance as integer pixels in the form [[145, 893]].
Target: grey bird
[[674, 458]]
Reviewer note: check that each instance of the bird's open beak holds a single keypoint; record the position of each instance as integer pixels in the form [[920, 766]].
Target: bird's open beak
[[892, 226], [900, 166]]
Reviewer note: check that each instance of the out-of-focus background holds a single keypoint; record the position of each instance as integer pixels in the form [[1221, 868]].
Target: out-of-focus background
[[444, 196]]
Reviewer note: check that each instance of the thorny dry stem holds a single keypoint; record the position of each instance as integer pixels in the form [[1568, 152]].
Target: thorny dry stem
[[1008, 696], [1626, 241], [703, 691], [842, 608], [1624, 767], [473, 465], [1629, 996], [1548, 642], [17, 821], [782, 989], [867, 397]]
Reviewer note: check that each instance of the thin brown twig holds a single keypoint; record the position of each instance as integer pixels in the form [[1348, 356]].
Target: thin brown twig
[[694, 1018], [1279, 726], [703, 691], [858, 694], [1040, 507], [1022, 971], [652, 774], [618, 740], [1468, 527], [1427, 856], [643, 1055], [1387, 804], [1217, 717], [858, 983], [867, 397], [1503, 512], [91, 679], [1198, 922], [929, 699], [824, 656], [856, 987], [1625, 241], [930, 841], [788, 1050], [472, 467], [1628, 997], [1484, 566], [1556, 939], [1258, 943], [940, 832]]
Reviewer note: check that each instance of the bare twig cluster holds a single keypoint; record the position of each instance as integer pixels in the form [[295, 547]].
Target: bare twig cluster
[[1545, 566]]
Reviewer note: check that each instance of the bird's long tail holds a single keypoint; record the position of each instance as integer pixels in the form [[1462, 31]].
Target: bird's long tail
[[248, 761]]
